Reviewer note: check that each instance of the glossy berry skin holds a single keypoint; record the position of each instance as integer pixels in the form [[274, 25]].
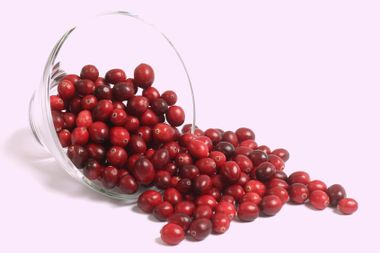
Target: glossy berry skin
[[103, 92], [319, 199], [277, 162], [99, 132], [72, 78], [115, 76], [203, 211], [200, 228], [88, 102], [132, 124], [219, 158], [251, 197], [93, 170], [163, 133], [68, 120], [172, 195], [96, 152], [163, 211], [159, 106], [117, 156], [206, 166], [119, 136], [123, 91], [170, 97], [118, 117], [89, 72], [56, 103], [102, 110], [66, 89], [279, 192], [79, 136], [282, 153], [271, 205], [78, 155], [298, 193], [172, 234], [257, 157], [84, 119], [64, 137], [110, 177], [144, 171], [244, 133], [226, 208], [202, 184], [244, 163], [144, 75], [148, 200], [255, 186], [299, 177], [265, 171], [206, 199], [198, 149], [214, 135], [151, 94], [137, 105], [128, 184], [175, 115], [220, 223], [85, 87], [181, 219], [248, 211], [348, 206], [229, 136], [236, 191], [230, 171], [336, 192], [249, 144], [277, 182], [185, 207], [316, 185]]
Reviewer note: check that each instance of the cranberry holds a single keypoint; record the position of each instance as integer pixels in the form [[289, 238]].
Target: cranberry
[[203, 211], [128, 184], [89, 102], [137, 145], [75, 105], [336, 192], [96, 152], [56, 103], [163, 132], [85, 87], [241, 150], [84, 119], [151, 94], [264, 148], [298, 193], [347, 206], [228, 198], [160, 158], [214, 135], [92, 170], [170, 97], [159, 106], [200, 229], [64, 137], [248, 211], [244, 133], [258, 157], [115, 76], [220, 223], [89, 72], [100, 81], [103, 92], [277, 162], [72, 78], [251, 197], [171, 168], [281, 175], [244, 163], [137, 105], [218, 157], [102, 110], [98, 131], [206, 200], [163, 211], [119, 136], [230, 137], [230, 171], [144, 75], [66, 89], [271, 204], [149, 118], [202, 184], [226, 208], [79, 136], [119, 105], [282, 153], [185, 139], [235, 190], [68, 120], [198, 149], [148, 200], [184, 185], [299, 177], [173, 149], [279, 192], [206, 166], [172, 195], [174, 181], [144, 171], [183, 159], [78, 155], [132, 123], [316, 185], [162, 179], [274, 182], [319, 199], [181, 219], [215, 192], [175, 116], [172, 234], [226, 148], [265, 171], [117, 156], [118, 117], [145, 132], [110, 177], [249, 144], [185, 207], [255, 186], [123, 91]]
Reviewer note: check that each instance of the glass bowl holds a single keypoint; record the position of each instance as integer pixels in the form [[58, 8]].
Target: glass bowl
[[111, 40]]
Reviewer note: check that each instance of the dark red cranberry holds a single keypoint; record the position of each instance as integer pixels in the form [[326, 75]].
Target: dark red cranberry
[[265, 171], [271, 204], [137, 105], [117, 156], [181, 219], [66, 89], [123, 91], [115, 76], [198, 149], [93, 170], [119, 105], [160, 158], [206, 200], [88, 102], [279, 192], [159, 106], [214, 135], [257, 157], [248, 211], [163, 211], [348, 205], [274, 182], [264, 148], [56, 103], [144, 75], [203, 211], [185, 207], [122, 172], [249, 144], [128, 184], [79, 136], [162, 179], [170, 97], [298, 193], [89, 72], [163, 132], [230, 137], [144, 171], [103, 92], [255, 186], [72, 78], [277, 162], [220, 223], [137, 145], [206, 166], [151, 93], [299, 177], [336, 192], [202, 184], [316, 185], [319, 199], [149, 118], [78, 155], [132, 124], [110, 177], [85, 87], [175, 115], [148, 200], [98, 131], [100, 81], [230, 171], [172, 234], [172, 195], [102, 110], [173, 149], [174, 181], [184, 185], [200, 228], [251, 197], [282, 153], [183, 159], [75, 105], [84, 119], [68, 120], [96, 152], [244, 163], [228, 198], [226, 208], [145, 132], [218, 157], [226, 148], [244, 133], [64, 137]]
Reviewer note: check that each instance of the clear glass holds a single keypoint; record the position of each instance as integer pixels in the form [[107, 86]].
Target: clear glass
[[112, 40]]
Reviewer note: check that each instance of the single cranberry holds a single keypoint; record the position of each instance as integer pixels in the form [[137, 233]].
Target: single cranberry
[[336, 192], [206, 200], [132, 123], [148, 200], [183, 159], [160, 158], [159, 106], [271, 204], [218, 181], [170, 97], [64, 137], [117, 156], [214, 135], [102, 110], [244, 178], [274, 182], [319, 199], [184, 185], [279, 192], [299, 177], [202, 184], [185, 207], [171, 168], [347, 205], [79, 136], [226, 208], [103, 92], [281, 175], [215, 192], [84, 119], [121, 173], [264, 148], [220, 223], [144, 171], [123, 91], [230, 137], [128, 184], [241, 150], [75, 105], [85, 87], [206, 166], [258, 157], [66, 89], [316, 185], [181, 219], [56, 103], [137, 105], [118, 117], [163, 132], [93, 169], [228, 198], [244, 163], [265, 171], [151, 94], [98, 131], [89, 72], [149, 118], [145, 132], [298, 193], [88, 102], [115, 76], [251, 197], [68, 120], [226, 148], [163, 211], [78, 155], [174, 181], [206, 141], [255, 186], [137, 145], [230, 171], [119, 136], [185, 139], [219, 158], [248, 211], [172, 195], [277, 162], [203, 211], [249, 144], [198, 149], [100, 81], [173, 149], [132, 160], [72, 78], [96, 152], [200, 228], [235, 190], [110, 176], [144, 75], [175, 115], [162, 179], [172, 234], [244, 133], [282, 153]]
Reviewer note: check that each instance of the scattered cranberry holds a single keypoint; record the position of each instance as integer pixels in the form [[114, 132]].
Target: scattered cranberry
[[115, 76], [148, 200], [175, 116], [89, 72], [248, 211], [200, 228], [220, 223], [316, 185], [347, 206], [181, 219], [271, 204], [163, 211], [170, 97], [244, 133], [172, 234], [144, 76], [299, 177], [282, 153], [128, 184], [110, 176], [319, 199], [144, 171], [298, 193], [185, 207], [336, 192]]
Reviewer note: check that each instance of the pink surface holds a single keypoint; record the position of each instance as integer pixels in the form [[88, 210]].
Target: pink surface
[[304, 76]]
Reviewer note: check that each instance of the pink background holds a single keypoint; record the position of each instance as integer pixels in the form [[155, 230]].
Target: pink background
[[303, 75]]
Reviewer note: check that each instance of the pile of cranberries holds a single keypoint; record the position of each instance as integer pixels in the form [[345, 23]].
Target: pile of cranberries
[[123, 132]]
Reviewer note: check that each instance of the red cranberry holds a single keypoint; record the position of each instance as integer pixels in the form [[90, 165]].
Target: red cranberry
[[226, 208], [163, 211], [84, 119], [255, 186], [220, 223], [281, 175], [202, 184], [251, 197], [299, 177], [123, 91], [117, 156], [172, 195], [103, 92], [159, 106], [279, 192], [230, 137], [96, 152], [56, 103], [78, 155], [128, 184], [244, 163], [110, 177], [170, 97], [160, 158], [89, 102], [214, 135], [258, 157], [75, 105], [64, 137], [98, 131], [249, 144], [226, 148], [218, 157], [183, 159], [298, 193], [173, 149], [336, 192], [198, 149], [149, 118], [203, 211], [185, 207], [241, 150], [132, 123], [89, 72], [184, 185], [66, 89], [181, 220], [171, 168], [274, 182], [206, 200], [215, 192], [72, 78], [200, 229], [236, 191], [271, 204], [319, 199], [119, 136], [144, 171], [316, 185], [162, 180], [151, 94], [206, 166], [163, 132], [137, 145], [347, 206], [228, 198], [247, 211], [100, 81], [137, 105], [79, 136], [115, 76], [85, 87], [102, 110], [118, 117], [145, 132], [230, 171], [185, 139], [175, 116], [92, 170], [282, 153], [264, 148], [68, 120], [174, 181], [265, 171], [244, 133], [144, 75], [148, 200], [172, 234], [277, 162]]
